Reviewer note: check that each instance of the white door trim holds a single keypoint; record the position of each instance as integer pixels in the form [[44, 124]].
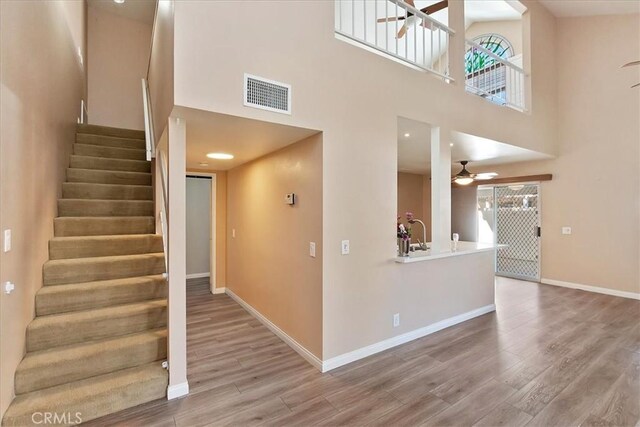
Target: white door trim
[[212, 241]]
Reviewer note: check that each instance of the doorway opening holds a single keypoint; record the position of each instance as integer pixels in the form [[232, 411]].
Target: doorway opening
[[510, 215], [201, 228]]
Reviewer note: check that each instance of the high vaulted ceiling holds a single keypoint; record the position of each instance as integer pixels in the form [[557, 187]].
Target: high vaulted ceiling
[[568, 8]]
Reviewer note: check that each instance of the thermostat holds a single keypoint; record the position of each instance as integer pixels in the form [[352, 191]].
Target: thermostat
[[290, 199]]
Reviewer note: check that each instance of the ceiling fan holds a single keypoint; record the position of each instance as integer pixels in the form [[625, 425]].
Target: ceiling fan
[[411, 20], [464, 177], [630, 64]]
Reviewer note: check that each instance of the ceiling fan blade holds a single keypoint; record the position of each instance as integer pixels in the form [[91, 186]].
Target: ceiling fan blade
[[391, 19], [631, 63], [402, 31], [436, 7], [635, 85], [410, 3]]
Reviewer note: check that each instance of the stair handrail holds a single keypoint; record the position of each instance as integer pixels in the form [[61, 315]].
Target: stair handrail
[[148, 121], [162, 163]]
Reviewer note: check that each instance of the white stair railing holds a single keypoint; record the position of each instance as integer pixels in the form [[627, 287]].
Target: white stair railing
[[424, 44], [494, 78], [148, 121], [163, 205], [162, 163]]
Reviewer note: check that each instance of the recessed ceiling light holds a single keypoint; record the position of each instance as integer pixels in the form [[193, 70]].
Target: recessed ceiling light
[[220, 156], [407, 135], [203, 164], [118, 1], [451, 144]]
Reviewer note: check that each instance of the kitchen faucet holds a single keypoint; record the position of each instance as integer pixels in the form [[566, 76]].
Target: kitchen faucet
[[423, 244]]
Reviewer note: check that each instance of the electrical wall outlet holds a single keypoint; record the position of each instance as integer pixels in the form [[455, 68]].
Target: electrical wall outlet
[[396, 320], [290, 199], [345, 247], [312, 249], [566, 230], [7, 240]]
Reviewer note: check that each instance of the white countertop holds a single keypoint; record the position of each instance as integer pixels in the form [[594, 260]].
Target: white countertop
[[462, 248]]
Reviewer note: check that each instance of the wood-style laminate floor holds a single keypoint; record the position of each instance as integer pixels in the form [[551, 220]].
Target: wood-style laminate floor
[[549, 356]]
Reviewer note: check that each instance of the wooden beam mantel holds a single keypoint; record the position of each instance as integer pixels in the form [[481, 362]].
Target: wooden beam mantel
[[510, 180]]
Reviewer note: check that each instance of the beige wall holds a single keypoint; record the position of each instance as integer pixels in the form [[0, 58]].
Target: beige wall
[[118, 60], [42, 85], [359, 131], [161, 66], [221, 225], [268, 262], [511, 30], [595, 187], [464, 221], [410, 195]]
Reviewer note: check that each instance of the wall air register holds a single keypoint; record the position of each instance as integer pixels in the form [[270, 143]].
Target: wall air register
[[267, 94]]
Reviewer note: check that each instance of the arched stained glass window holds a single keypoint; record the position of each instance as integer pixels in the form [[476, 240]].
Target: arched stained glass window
[[477, 59]]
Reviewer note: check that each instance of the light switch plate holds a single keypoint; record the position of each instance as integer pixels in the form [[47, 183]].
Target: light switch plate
[[312, 249], [233, 233], [7, 240], [290, 199], [566, 230], [345, 247]]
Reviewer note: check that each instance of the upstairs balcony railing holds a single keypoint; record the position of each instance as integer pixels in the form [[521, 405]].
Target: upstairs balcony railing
[[492, 77], [398, 30]]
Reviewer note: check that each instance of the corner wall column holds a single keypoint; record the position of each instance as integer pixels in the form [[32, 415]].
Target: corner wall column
[[440, 190], [177, 321]]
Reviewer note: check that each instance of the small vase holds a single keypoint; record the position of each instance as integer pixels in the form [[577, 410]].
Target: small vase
[[403, 247]]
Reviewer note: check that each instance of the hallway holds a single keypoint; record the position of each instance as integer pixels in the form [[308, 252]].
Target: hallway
[[545, 357]]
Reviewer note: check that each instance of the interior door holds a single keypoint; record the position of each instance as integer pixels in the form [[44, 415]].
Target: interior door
[[517, 225]]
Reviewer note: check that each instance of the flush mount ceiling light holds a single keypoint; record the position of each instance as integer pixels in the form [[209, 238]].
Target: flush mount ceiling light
[[464, 177], [407, 135], [118, 1], [220, 156]]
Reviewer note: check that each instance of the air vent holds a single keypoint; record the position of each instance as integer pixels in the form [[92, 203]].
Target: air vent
[[267, 94]]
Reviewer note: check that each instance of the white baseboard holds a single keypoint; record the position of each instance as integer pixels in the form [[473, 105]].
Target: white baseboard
[[352, 356], [306, 354], [197, 275], [177, 390], [219, 290], [588, 288]]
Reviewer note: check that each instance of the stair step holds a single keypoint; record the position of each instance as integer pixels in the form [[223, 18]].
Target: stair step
[[97, 176], [89, 207], [92, 325], [103, 163], [109, 152], [100, 246], [111, 141], [109, 131], [93, 397], [78, 270], [84, 190], [99, 294], [100, 226], [61, 365]]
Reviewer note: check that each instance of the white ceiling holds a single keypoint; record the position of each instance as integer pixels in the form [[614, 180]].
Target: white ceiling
[[414, 152], [138, 10], [246, 139], [476, 11], [566, 8]]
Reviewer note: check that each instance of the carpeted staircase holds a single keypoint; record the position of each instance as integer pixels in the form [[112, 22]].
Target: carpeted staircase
[[99, 337]]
